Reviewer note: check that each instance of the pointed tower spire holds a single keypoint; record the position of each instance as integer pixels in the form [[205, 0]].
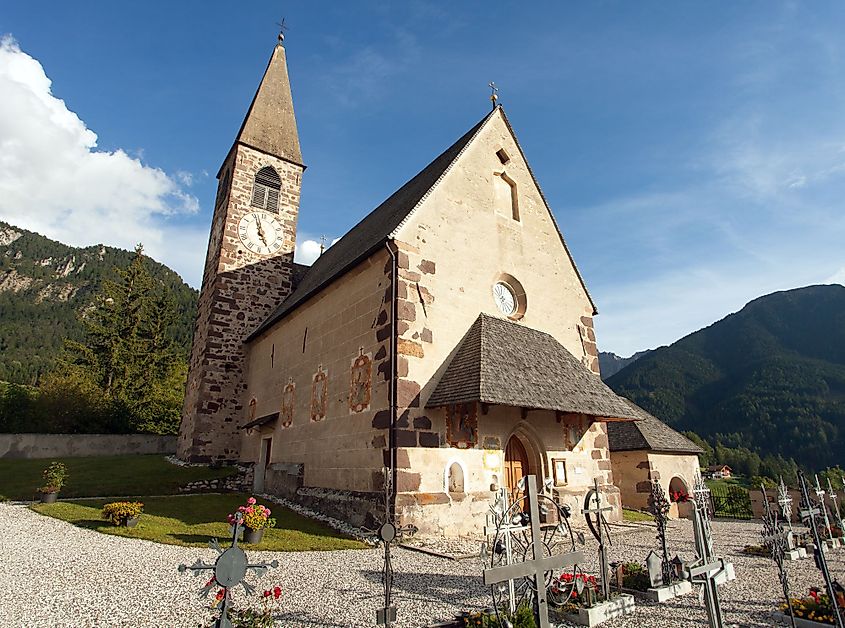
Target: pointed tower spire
[[270, 124]]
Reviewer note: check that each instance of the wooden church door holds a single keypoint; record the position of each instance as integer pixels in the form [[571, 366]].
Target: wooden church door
[[516, 467]]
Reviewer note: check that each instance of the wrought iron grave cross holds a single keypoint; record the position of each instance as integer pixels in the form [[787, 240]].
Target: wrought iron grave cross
[[388, 533], [809, 513], [776, 538], [229, 569], [785, 503], [831, 494], [820, 495], [592, 506], [537, 566], [659, 506], [707, 566]]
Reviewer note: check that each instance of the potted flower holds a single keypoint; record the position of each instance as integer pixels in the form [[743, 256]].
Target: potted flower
[[55, 477], [255, 518], [123, 513]]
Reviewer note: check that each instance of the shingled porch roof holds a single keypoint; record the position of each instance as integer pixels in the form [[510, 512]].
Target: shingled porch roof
[[649, 433], [505, 363]]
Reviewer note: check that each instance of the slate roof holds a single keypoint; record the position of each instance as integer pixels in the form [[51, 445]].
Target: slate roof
[[372, 232], [648, 432], [505, 363], [262, 420]]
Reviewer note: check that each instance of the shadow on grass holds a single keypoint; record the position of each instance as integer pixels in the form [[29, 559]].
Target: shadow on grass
[[203, 539]]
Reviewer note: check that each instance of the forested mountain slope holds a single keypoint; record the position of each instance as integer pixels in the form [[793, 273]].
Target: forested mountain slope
[[45, 286], [770, 377]]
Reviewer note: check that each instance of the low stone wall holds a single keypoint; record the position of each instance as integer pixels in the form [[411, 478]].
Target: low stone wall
[[240, 482], [70, 445]]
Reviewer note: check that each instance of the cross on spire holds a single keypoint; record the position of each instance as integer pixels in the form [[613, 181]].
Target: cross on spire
[[282, 28], [494, 93]]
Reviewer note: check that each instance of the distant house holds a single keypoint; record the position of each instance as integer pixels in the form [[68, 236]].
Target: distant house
[[717, 471]]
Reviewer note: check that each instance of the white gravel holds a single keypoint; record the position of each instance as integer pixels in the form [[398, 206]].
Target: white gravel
[[54, 574]]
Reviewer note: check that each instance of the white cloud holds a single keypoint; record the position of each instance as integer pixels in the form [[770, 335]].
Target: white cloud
[[308, 250], [53, 180]]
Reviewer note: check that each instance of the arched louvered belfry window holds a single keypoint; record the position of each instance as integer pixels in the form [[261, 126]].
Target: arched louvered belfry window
[[265, 189]]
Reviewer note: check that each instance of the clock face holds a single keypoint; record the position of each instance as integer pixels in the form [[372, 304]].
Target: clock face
[[261, 232], [505, 298]]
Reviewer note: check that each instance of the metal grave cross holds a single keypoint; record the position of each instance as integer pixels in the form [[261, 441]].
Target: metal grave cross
[[706, 567], [537, 567], [659, 506], [777, 539], [831, 494], [229, 569], [388, 533], [809, 512], [598, 528], [820, 496], [785, 503], [501, 506]]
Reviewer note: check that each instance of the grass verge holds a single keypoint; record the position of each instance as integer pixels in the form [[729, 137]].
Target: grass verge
[[636, 515], [103, 476], [193, 520]]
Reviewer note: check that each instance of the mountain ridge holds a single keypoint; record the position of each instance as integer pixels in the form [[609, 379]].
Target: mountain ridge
[[770, 377]]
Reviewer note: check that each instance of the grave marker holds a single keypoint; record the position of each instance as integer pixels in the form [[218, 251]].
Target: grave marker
[[229, 569], [809, 513], [776, 538]]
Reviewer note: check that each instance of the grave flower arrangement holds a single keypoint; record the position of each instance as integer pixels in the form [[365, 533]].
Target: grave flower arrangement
[[565, 589], [635, 576], [55, 477], [815, 606], [255, 516], [119, 513], [253, 617], [523, 618]]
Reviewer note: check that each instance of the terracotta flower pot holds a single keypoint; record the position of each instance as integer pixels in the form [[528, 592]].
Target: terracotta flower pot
[[131, 522], [253, 537], [48, 498]]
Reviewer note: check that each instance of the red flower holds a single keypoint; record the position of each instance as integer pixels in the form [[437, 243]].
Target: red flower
[[220, 595], [267, 594], [277, 592]]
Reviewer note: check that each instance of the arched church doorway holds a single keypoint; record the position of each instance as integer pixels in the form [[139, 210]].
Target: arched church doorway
[[516, 466], [679, 497]]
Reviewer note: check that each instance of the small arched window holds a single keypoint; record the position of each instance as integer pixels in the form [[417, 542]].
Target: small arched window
[[265, 189]]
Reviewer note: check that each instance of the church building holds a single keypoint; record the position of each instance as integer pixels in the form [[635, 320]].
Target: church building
[[447, 336]]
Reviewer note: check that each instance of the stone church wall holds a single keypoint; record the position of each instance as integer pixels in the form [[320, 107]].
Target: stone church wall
[[633, 472], [337, 447]]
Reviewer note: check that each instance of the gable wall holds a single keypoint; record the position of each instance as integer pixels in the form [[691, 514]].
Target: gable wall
[[454, 248], [343, 450]]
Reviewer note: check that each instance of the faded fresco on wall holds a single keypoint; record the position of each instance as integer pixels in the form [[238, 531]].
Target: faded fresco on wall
[[288, 398], [319, 394], [462, 425], [361, 383]]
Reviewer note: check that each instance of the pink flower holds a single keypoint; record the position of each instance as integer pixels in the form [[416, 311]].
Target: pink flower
[[250, 501]]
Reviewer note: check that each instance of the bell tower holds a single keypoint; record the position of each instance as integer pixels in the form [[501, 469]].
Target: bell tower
[[247, 267]]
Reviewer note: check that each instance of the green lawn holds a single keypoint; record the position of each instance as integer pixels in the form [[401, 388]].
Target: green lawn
[[636, 515], [193, 520], [103, 476]]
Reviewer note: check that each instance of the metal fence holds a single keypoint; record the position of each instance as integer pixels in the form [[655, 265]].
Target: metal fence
[[731, 501]]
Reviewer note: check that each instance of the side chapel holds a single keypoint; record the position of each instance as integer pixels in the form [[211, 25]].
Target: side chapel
[[448, 335]]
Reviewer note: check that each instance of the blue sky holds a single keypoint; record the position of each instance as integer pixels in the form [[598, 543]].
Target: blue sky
[[693, 154]]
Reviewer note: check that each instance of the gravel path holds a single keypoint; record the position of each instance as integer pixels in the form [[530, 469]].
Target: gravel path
[[54, 574]]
